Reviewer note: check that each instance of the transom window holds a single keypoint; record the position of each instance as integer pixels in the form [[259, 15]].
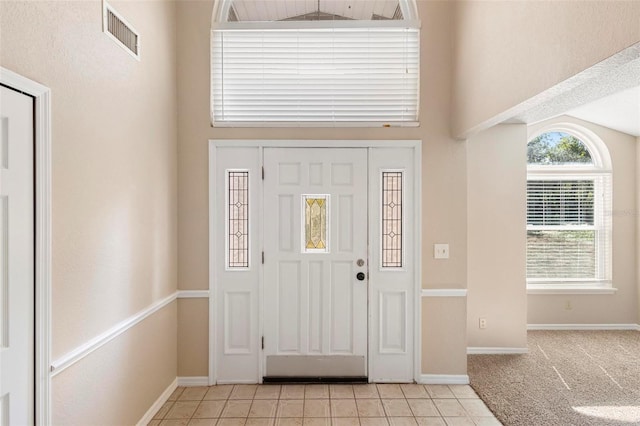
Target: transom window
[[568, 211], [315, 63]]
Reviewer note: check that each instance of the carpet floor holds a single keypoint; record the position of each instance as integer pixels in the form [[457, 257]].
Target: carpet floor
[[567, 378]]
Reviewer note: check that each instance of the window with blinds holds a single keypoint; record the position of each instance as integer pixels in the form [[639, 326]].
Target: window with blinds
[[288, 75], [568, 218]]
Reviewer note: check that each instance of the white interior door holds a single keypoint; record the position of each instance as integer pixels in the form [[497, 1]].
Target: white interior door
[[16, 259], [315, 243]]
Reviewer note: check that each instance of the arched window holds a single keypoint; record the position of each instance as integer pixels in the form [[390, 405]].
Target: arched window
[[568, 210], [315, 62]]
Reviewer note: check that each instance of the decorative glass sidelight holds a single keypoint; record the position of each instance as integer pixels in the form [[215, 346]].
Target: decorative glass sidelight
[[237, 219], [392, 219], [315, 222]]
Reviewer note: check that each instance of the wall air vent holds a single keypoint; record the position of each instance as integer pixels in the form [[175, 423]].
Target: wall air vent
[[116, 27]]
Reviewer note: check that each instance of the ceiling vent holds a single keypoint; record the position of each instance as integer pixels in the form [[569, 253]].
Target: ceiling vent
[[116, 27]]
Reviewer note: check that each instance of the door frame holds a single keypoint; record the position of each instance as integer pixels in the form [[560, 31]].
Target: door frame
[[42, 206], [416, 145]]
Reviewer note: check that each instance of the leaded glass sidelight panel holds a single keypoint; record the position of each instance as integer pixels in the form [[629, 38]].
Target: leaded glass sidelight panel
[[315, 222], [392, 219], [237, 219]]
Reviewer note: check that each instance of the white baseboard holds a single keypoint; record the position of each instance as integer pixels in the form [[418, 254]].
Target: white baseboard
[[148, 416], [443, 379], [583, 327], [193, 381], [495, 351]]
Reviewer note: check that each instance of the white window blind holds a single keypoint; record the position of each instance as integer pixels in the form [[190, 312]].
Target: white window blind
[[348, 75], [568, 228]]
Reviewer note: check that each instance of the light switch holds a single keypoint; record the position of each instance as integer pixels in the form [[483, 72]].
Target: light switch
[[441, 251]]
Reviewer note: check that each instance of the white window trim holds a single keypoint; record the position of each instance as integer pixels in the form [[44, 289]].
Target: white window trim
[[601, 166]]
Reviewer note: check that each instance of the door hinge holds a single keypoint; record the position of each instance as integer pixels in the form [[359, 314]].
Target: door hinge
[[262, 173], [263, 258], [262, 342]]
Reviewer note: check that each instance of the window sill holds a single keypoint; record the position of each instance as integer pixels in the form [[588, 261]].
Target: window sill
[[568, 289]]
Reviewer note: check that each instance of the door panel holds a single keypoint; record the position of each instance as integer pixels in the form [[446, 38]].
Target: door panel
[[16, 259], [315, 310]]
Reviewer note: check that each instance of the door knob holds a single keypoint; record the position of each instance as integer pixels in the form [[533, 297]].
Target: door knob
[[360, 262], [360, 276]]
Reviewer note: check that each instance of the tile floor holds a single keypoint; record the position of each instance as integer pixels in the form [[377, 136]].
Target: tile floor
[[325, 405]]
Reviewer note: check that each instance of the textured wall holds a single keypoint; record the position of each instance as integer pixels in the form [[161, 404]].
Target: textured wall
[[444, 165], [114, 195], [497, 237], [509, 51]]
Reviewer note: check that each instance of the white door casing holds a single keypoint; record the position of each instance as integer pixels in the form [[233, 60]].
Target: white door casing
[[315, 315], [241, 301], [17, 349]]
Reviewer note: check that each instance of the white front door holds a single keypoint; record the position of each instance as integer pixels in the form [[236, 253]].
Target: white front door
[[16, 259], [315, 243]]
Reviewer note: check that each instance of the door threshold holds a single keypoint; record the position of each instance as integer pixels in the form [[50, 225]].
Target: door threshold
[[305, 380]]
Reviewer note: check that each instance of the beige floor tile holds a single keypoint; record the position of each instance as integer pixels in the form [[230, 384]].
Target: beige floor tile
[[450, 408], [397, 408], [182, 410], [256, 421], [370, 408], [195, 393], [243, 392], [402, 421], [263, 408], [209, 410], [486, 421], [154, 423], [162, 412], [268, 392], [366, 391], [316, 408], [203, 422], [289, 421], [316, 421], [218, 392], [458, 421], [439, 391], [430, 421], [175, 422], [414, 391], [390, 391], [345, 421], [236, 408], [344, 408], [423, 408], [231, 422], [176, 393], [463, 391], [290, 408], [316, 392], [373, 421], [341, 391], [475, 408], [292, 392]]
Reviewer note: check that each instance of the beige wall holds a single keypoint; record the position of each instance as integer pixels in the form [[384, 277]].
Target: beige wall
[[509, 51], [114, 196], [621, 307], [496, 223], [444, 167]]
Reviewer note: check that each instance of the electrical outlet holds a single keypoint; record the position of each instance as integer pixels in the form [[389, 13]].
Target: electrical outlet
[[441, 251], [482, 323]]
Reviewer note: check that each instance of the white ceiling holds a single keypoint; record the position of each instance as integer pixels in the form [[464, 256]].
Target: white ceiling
[[276, 10], [620, 111]]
